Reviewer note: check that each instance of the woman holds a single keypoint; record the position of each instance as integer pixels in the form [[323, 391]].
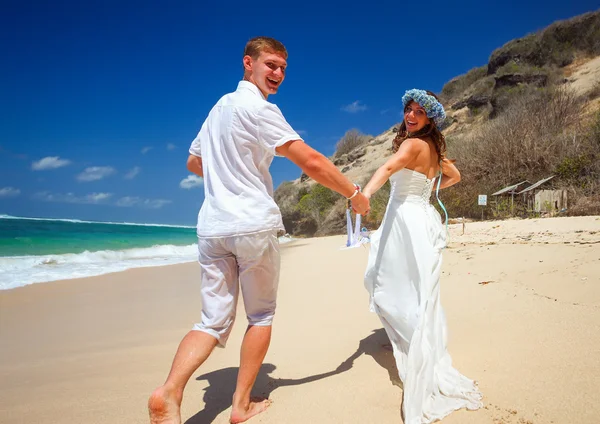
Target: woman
[[405, 259]]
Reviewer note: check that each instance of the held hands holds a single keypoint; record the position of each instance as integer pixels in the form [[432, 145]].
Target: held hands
[[360, 204], [345, 366]]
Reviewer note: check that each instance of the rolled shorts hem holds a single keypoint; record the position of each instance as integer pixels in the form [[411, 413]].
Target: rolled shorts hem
[[222, 341], [261, 323]]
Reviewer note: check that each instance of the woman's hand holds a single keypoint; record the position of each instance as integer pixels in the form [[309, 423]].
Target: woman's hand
[[450, 174]]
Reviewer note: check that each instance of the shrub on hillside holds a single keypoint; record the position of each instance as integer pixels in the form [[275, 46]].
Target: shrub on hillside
[[459, 84], [378, 203], [594, 92], [585, 206], [594, 131], [350, 141], [556, 45], [513, 67], [537, 135], [317, 202]]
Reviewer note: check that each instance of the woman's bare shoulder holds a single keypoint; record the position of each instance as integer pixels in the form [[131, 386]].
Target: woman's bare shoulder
[[416, 142]]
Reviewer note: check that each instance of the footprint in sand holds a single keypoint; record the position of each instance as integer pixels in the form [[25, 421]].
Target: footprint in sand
[[506, 415]]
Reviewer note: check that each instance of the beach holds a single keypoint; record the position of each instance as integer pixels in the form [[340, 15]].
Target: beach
[[521, 297]]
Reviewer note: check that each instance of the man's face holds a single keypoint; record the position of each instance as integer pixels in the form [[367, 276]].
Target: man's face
[[267, 72]]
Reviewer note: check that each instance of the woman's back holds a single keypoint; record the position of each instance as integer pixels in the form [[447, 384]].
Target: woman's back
[[408, 184], [426, 159]]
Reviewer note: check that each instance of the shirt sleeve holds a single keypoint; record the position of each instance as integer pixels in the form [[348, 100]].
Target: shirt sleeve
[[195, 147], [273, 129]]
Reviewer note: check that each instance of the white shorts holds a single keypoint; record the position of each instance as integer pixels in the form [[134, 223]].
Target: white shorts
[[251, 259]]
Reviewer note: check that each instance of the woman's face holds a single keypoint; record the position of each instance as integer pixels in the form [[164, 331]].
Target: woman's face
[[415, 117]]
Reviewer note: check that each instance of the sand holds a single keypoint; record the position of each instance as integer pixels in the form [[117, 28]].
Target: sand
[[522, 299]]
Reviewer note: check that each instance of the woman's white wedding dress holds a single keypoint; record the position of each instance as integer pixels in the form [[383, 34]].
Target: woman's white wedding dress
[[403, 280]]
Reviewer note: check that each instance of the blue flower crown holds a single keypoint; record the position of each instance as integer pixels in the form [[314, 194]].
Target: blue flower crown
[[434, 109]]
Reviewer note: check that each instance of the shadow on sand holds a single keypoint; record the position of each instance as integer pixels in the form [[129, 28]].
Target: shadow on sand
[[221, 383]]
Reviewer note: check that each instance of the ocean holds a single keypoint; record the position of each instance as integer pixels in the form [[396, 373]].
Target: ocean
[[34, 250], [38, 250]]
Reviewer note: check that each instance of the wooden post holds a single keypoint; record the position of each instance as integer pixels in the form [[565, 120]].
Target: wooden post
[[512, 203]]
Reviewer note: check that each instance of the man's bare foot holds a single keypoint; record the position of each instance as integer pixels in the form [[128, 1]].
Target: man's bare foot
[[164, 407], [239, 414]]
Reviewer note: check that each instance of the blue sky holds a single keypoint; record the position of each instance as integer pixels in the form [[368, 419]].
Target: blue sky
[[100, 100]]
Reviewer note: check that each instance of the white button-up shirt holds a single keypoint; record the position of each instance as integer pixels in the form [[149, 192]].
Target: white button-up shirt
[[237, 144]]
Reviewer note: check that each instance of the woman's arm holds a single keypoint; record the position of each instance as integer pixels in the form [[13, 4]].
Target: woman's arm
[[406, 153], [450, 174]]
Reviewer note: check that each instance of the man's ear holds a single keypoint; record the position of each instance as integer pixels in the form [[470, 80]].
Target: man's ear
[[247, 61]]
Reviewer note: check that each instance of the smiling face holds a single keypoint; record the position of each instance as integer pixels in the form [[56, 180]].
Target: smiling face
[[266, 72], [415, 117]]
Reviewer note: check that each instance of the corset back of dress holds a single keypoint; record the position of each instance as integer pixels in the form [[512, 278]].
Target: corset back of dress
[[410, 185]]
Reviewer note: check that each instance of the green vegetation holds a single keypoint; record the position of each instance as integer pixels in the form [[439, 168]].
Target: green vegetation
[[513, 67], [379, 203], [317, 202], [461, 83], [557, 45]]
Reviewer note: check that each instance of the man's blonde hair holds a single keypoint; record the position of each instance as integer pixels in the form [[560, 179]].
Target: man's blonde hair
[[257, 45]]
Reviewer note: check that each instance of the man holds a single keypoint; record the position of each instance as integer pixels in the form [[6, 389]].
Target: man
[[238, 224]]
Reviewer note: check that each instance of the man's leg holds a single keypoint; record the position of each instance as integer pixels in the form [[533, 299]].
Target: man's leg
[[219, 293], [165, 401], [254, 348], [258, 260]]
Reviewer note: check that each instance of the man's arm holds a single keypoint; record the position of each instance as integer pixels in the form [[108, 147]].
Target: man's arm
[[194, 165], [320, 169]]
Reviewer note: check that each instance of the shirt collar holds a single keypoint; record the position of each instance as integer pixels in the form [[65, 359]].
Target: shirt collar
[[247, 85]]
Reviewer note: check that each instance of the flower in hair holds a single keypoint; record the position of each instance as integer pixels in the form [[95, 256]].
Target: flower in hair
[[432, 106]]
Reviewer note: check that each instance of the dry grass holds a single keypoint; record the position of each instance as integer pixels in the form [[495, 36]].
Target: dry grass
[[350, 141], [538, 135]]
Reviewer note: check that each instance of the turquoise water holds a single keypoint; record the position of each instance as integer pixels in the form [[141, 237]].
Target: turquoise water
[[19, 237], [34, 250], [42, 250]]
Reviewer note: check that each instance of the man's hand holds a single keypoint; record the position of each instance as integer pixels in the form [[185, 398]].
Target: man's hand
[[194, 165], [361, 204]]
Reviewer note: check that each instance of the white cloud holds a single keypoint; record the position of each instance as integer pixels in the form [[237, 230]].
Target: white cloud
[[101, 198], [354, 107], [171, 146], [97, 197], [92, 198], [129, 201], [95, 173], [146, 149], [9, 192], [49, 162], [191, 181], [133, 173], [155, 203]]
